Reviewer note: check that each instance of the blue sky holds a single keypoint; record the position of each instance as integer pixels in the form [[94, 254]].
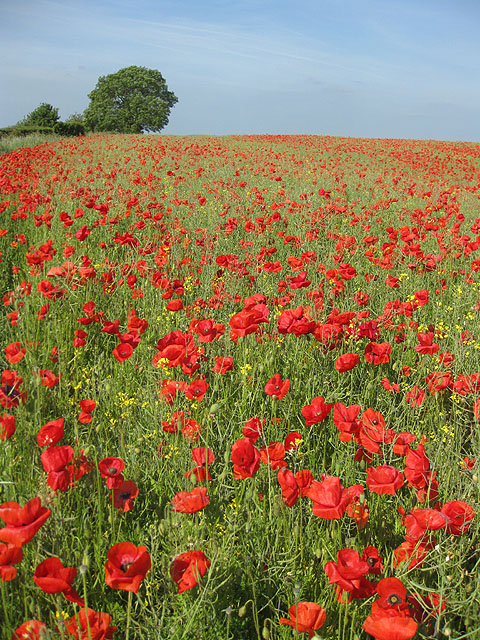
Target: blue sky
[[363, 68]]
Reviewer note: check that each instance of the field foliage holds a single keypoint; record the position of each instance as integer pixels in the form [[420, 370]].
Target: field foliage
[[240, 388]]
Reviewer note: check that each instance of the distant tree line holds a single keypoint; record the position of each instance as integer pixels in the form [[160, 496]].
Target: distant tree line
[[132, 100]]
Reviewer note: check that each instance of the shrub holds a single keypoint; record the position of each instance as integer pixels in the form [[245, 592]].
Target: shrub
[[69, 128]]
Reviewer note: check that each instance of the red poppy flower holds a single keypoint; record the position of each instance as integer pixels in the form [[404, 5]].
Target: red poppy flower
[[415, 397], [187, 568], [22, 523], [10, 554], [329, 497], [7, 426], [89, 308], [421, 297], [51, 433], [346, 362], [466, 337], [327, 334], [52, 577], [277, 387], [79, 340], [411, 551], [173, 347], [190, 429], [196, 390], [392, 594], [175, 305], [384, 479], [126, 566], [392, 387], [56, 458], [176, 421], [402, 442], [112, 328], [123, 351], [11, 391], [390, 625], [373, 559], [316, 411], [372, 432], [466, 384], [273, 455], [245, 458], [359, 512], [48, 378], [305, 617], [289, 487], [253, 428], [429, 491], [111, 469], [223, 364], [296, 321], [203, 457], [438, 381], [86, 406], [460, 516], [417, 465], [299, 281], [90, 624], [15, 352], [345, 419], [30, 630], [207, 330], [304, 479], [347, 571], [190, 502], [426, 344], [361, 298], [420, 521], [190, 363], [292, 441], [123, 495], [378, 353]]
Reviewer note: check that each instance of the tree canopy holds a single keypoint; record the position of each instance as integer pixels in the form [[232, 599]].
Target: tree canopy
[[132, 100], [43, 116]]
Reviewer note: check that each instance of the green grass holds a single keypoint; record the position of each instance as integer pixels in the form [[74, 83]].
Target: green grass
[[11, 143]]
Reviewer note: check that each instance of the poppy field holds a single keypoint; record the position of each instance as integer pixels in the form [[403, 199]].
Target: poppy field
[[240, 389]]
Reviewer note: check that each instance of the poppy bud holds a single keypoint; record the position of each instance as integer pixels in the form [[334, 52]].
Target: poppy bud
[[85, 566], [243, 610]]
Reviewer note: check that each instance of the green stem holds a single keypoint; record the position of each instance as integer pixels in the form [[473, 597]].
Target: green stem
[[4, 604], [99, 510], [129, 606], [85, 598]]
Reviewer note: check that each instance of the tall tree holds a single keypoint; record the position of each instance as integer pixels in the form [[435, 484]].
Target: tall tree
[[43, 116], [132, 100]]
